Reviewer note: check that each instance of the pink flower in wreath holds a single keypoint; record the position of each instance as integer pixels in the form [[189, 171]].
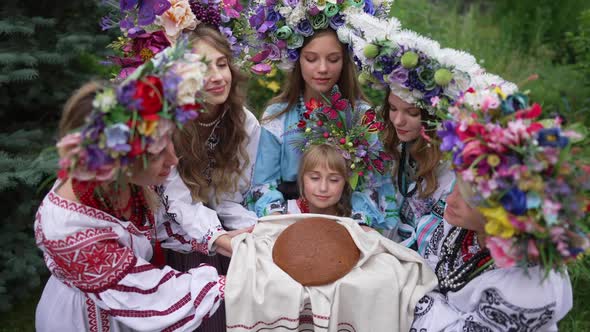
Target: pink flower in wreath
[[502, 251], [177, 18]]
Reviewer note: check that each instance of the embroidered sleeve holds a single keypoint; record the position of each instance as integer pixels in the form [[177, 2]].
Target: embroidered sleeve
[[265, 198], [498, 300], [420, 217], [127, 287], [190, 220], [376, 206]]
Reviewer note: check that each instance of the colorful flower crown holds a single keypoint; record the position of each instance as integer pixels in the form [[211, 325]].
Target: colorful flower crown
[[282, 25], [150, 26], [416, 68], [135, 117], [522, 175], [356, 137]]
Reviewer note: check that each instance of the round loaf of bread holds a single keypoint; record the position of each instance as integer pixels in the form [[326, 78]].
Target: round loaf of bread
[[315, 251]]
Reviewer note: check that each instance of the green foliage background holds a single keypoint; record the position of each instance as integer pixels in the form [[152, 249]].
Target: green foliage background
[[47, 49]]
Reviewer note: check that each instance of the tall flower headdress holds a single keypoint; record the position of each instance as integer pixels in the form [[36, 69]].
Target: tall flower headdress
[[333, 121], [149, 26], [281, 25], [135, 117], [415, 67], [522, 176]]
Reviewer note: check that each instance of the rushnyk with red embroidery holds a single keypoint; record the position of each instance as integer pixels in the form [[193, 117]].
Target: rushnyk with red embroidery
[[98, 225]]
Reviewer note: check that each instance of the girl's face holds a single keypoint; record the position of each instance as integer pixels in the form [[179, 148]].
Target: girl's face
[[321, 64], [219, 78], [406, 118], [322, 187], [459, 213], [158, 167]]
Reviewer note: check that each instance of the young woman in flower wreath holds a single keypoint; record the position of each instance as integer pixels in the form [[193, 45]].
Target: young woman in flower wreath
[[97, 225], [513, 221], [216, 156], [417, 74], [300, 35]]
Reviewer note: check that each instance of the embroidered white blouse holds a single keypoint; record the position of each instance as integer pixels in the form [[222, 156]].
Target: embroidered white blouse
[[502, 299], [207, 222], [101, 278]]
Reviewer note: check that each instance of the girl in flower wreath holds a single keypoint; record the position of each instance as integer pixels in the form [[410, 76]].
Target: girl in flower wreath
[[217, 151], [342, 152], [515, 219], [301, 36], [98, 225], [323, 184]]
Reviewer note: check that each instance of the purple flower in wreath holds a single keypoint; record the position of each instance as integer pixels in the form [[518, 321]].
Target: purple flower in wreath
[[514, 201], [552, 137], [95, 157], [126, 23], [291, 3], [273, 16], [304, 28], [293, 55], [183, 116], [275, 52], [149, 9], [399, 75], [117, 136], [361, 152], [257, 19], [369, 8], [336, 21], [125, 95], [127, 5], [449, 137]]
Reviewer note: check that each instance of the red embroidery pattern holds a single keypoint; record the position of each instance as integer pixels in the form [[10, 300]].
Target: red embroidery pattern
[[203, 293], [142, 268], [195, 245], [303, 205], [92, 260], [150, 313], [221, 282], [92, 321], [129, 289], [104, 320], [92, 213]]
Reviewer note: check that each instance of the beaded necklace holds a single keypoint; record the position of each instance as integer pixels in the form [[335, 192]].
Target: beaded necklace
[[211, 143], [402, 178], [471, 265]]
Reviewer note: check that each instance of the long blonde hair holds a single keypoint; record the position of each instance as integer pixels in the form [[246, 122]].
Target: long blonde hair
[[294, 83], [427, 155], [326, 155], [191, 147]]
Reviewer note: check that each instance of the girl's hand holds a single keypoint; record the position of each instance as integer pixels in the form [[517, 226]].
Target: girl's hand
[[223, 242]]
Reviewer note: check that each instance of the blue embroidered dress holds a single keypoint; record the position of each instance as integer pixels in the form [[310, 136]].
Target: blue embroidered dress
[[278, 161]]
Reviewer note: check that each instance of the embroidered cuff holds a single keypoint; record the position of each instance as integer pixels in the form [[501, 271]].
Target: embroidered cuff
[[221, 287], [274, 207], [212, 236]]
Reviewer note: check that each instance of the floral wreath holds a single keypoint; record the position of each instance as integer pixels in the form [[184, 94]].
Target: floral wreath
[[149, 26], [415, 67], [280, 26], [135, 117], [356, 137], [522, 175]]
